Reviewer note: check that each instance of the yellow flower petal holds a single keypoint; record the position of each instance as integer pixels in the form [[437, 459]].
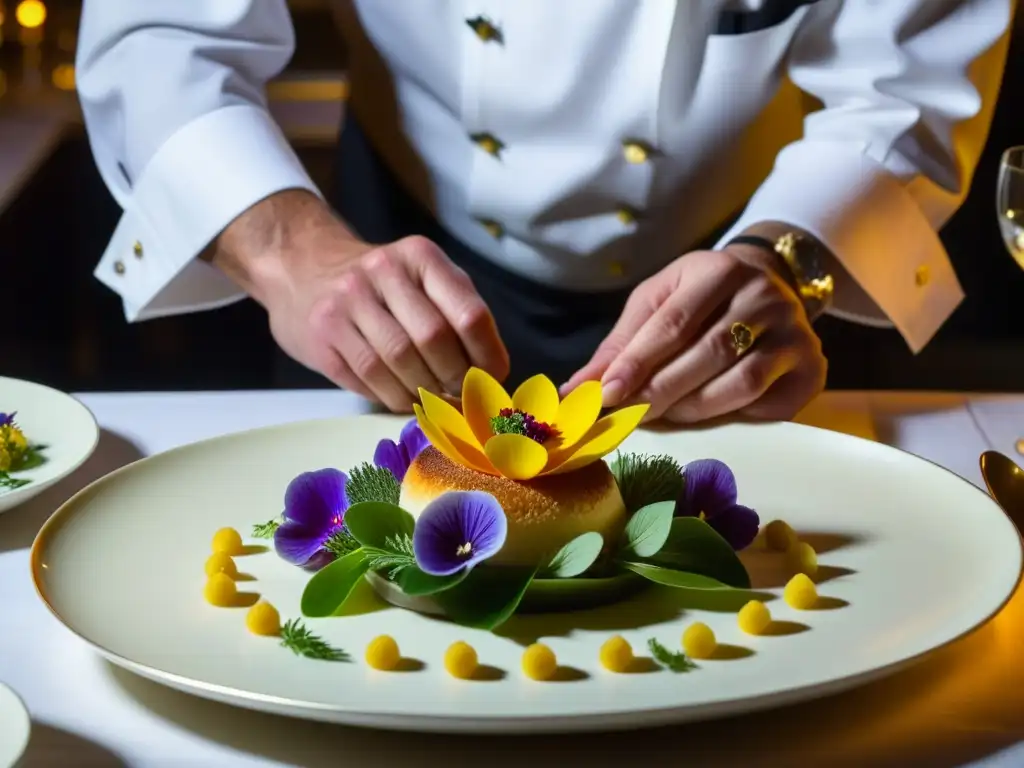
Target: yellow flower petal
[[482, 398], [538, 397], [577, 413], [515, 456], [442, 443], [603, 438], [446, 418]]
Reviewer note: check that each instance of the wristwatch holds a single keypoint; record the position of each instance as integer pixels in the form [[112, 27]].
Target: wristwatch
[[803, 257]]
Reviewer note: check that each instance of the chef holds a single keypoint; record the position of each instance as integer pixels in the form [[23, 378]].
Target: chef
[[662, 195]]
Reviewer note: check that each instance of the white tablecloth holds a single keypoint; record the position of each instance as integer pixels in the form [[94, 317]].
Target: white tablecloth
[[962, 705]]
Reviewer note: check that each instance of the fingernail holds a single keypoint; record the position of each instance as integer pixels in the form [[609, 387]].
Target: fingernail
[[612, 392]]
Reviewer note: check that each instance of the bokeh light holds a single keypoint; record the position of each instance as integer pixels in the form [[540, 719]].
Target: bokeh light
[[30, 13]]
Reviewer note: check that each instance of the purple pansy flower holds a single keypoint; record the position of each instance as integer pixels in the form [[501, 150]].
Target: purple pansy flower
[[398, 456], [710, 494], [6, 419], [458, 530], [314, 509]]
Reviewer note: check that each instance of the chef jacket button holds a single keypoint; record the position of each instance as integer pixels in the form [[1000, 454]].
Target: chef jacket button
[[485, 30], [626, 215], [493, 228], [137, 249], [488, 143], [616, 269], [921, 276], [119, 267], [636, 152]]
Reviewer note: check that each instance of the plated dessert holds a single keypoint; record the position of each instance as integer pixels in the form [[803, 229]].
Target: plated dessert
[[16, 453]]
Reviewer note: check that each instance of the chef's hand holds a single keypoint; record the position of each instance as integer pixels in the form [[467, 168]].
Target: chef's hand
[[672, 346], [380, 320]]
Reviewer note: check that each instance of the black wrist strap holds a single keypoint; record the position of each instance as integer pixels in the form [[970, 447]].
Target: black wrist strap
[[755, 240]]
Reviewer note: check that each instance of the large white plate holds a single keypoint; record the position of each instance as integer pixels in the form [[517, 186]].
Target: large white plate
[[15, 727], [920, 556], [51, 418]]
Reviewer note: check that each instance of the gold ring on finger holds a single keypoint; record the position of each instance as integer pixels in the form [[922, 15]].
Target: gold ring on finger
[[742, 337]]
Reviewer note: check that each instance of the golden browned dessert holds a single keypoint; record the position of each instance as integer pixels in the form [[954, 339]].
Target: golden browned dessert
[[543, 514]]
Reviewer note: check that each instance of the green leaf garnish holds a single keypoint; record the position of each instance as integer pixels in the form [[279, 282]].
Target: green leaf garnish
[[341, 542], [696, 547], [10, 483], [647, 530], [369, 483], [266, 530], [672, 578], [296, 637], [644, 479], [576, 556], [372, 523], [487, 597], [415, 582], [673, 660], [395, 556], [325, 594], [513, 423]]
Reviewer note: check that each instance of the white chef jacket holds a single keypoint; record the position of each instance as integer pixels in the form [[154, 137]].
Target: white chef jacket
[[581, 143]]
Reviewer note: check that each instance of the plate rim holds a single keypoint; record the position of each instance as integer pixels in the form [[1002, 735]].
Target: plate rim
[[614, 720], [21, 495], [20, 702]]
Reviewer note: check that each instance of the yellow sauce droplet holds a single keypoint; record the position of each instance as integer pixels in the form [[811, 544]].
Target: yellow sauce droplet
[[263, 619], [220, 590], [616, 654], [779, 536], [218, 562], [754, 617], [460, 660], [228, 541], [382, 653], [539, 662], [800, 593], [699, 641], [802, 558]]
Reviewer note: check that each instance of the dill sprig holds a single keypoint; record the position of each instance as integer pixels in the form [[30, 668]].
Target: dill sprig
[[341, 542], [266, 530], [645, 479], [296, 637], [369, 483], [673, 660], [394, 558], [10, 483]]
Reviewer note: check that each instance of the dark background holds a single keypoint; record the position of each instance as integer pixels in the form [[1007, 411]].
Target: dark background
[[59, 326]]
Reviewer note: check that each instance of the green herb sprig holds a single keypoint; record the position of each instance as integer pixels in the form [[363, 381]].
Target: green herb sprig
[[341, 542], [645, 479], [297, 638], [394, 557], [10, 483], [369, 483], [266, 530], [673, 660]]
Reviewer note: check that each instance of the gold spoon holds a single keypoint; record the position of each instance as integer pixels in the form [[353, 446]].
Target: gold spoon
[[1005, 481]]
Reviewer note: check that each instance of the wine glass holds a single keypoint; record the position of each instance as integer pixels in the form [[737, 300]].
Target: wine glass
[[1010, 202]]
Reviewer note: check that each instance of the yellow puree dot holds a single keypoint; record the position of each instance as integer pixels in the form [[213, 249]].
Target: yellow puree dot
[[228, 541], [616, 654], [800, 593], [802, 558], [460, 660], [218, 562], [539, 662], [754, 618], [263, 619], [699, 641], [382, 653], [220, 590], [779, 536]]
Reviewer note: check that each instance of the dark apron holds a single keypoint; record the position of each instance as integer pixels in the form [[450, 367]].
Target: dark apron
[[545, 329]]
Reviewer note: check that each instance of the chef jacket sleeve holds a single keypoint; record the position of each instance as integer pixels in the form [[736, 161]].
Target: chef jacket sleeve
[[174, 104], [908, 88]]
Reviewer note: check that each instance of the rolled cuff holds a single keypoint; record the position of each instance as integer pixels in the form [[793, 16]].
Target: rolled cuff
[[871, 223], [204, 176]]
